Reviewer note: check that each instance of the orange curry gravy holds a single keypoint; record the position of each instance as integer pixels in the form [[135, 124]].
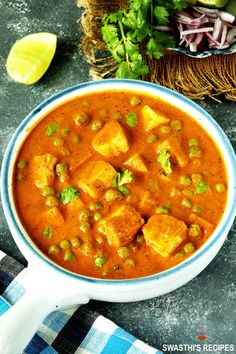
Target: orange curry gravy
[[184, 192]]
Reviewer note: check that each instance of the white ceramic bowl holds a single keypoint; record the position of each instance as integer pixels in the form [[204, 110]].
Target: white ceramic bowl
[[49, 286]]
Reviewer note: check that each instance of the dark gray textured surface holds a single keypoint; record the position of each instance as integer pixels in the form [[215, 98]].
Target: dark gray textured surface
[[208, 301]]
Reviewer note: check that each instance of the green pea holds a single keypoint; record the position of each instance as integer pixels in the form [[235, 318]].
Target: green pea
[[151, 138], [189, 247], [201, 187], [69, 256], [185, 180], [130, 262], [97, 217], [86, 248], [220, 187], [62, 171], [48, 190], [58, 141], [123, 252], [75, 139], [84, 226], [176, 124], [51, 201], [134, 101], [76, 241], [180, 253], [81, 118], [66, 131], [162, 210], [99, 261], [112, 195], [194, 151], [97, 124], [186, 202], [139, 238], [165, 129], [84, 214], [196, 209], [95, 206], [47, 232], [54, 249], [192, 142], [64, 244], [194, 230], [22, 164]]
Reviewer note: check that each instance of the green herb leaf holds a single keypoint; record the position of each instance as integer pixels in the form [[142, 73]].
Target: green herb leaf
[[131, 120], [68, 195], [162, 15], [121, 178], [47, 232], [123, 190], [51, 129], [201, 187], [164, 161]]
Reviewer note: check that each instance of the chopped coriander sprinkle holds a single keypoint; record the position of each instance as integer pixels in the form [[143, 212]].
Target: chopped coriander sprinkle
[[164, 161], [47, 232], [68, 195], [121, 178], [51, 129], [201, 187], [131, 120]]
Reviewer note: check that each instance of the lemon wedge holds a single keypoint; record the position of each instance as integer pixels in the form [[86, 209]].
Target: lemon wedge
[[30, 57], [213, 3]]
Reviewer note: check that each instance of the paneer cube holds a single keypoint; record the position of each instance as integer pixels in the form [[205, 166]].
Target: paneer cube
[[121, 225], [95, 177], [136, 163], [53, 217], [43, 170], [111, 140], [148, 203], [164, 233], [151, 119], [174, 145]]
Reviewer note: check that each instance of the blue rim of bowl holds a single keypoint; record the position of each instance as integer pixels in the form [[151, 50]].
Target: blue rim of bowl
[[18, 234]]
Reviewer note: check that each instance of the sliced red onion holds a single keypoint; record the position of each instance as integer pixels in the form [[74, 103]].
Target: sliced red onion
[[217, 29], [231, 36], [198, 30], [200, 26], [223, 35], [226, 16]]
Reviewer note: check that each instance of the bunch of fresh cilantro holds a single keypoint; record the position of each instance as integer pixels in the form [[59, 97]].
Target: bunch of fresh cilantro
[[123, 32]]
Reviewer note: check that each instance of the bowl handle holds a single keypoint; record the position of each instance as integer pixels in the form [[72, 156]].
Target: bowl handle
[[19, 324]]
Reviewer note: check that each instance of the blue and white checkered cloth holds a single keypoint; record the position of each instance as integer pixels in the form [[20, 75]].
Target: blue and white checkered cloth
[[72, 331]]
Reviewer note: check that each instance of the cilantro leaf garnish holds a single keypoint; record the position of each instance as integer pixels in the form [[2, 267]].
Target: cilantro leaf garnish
[[68, 195], [164, 161], [125, 30], [201, 187], [121, 178]]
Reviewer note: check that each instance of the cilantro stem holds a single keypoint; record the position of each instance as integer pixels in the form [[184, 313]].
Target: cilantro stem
[[124, 40]]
